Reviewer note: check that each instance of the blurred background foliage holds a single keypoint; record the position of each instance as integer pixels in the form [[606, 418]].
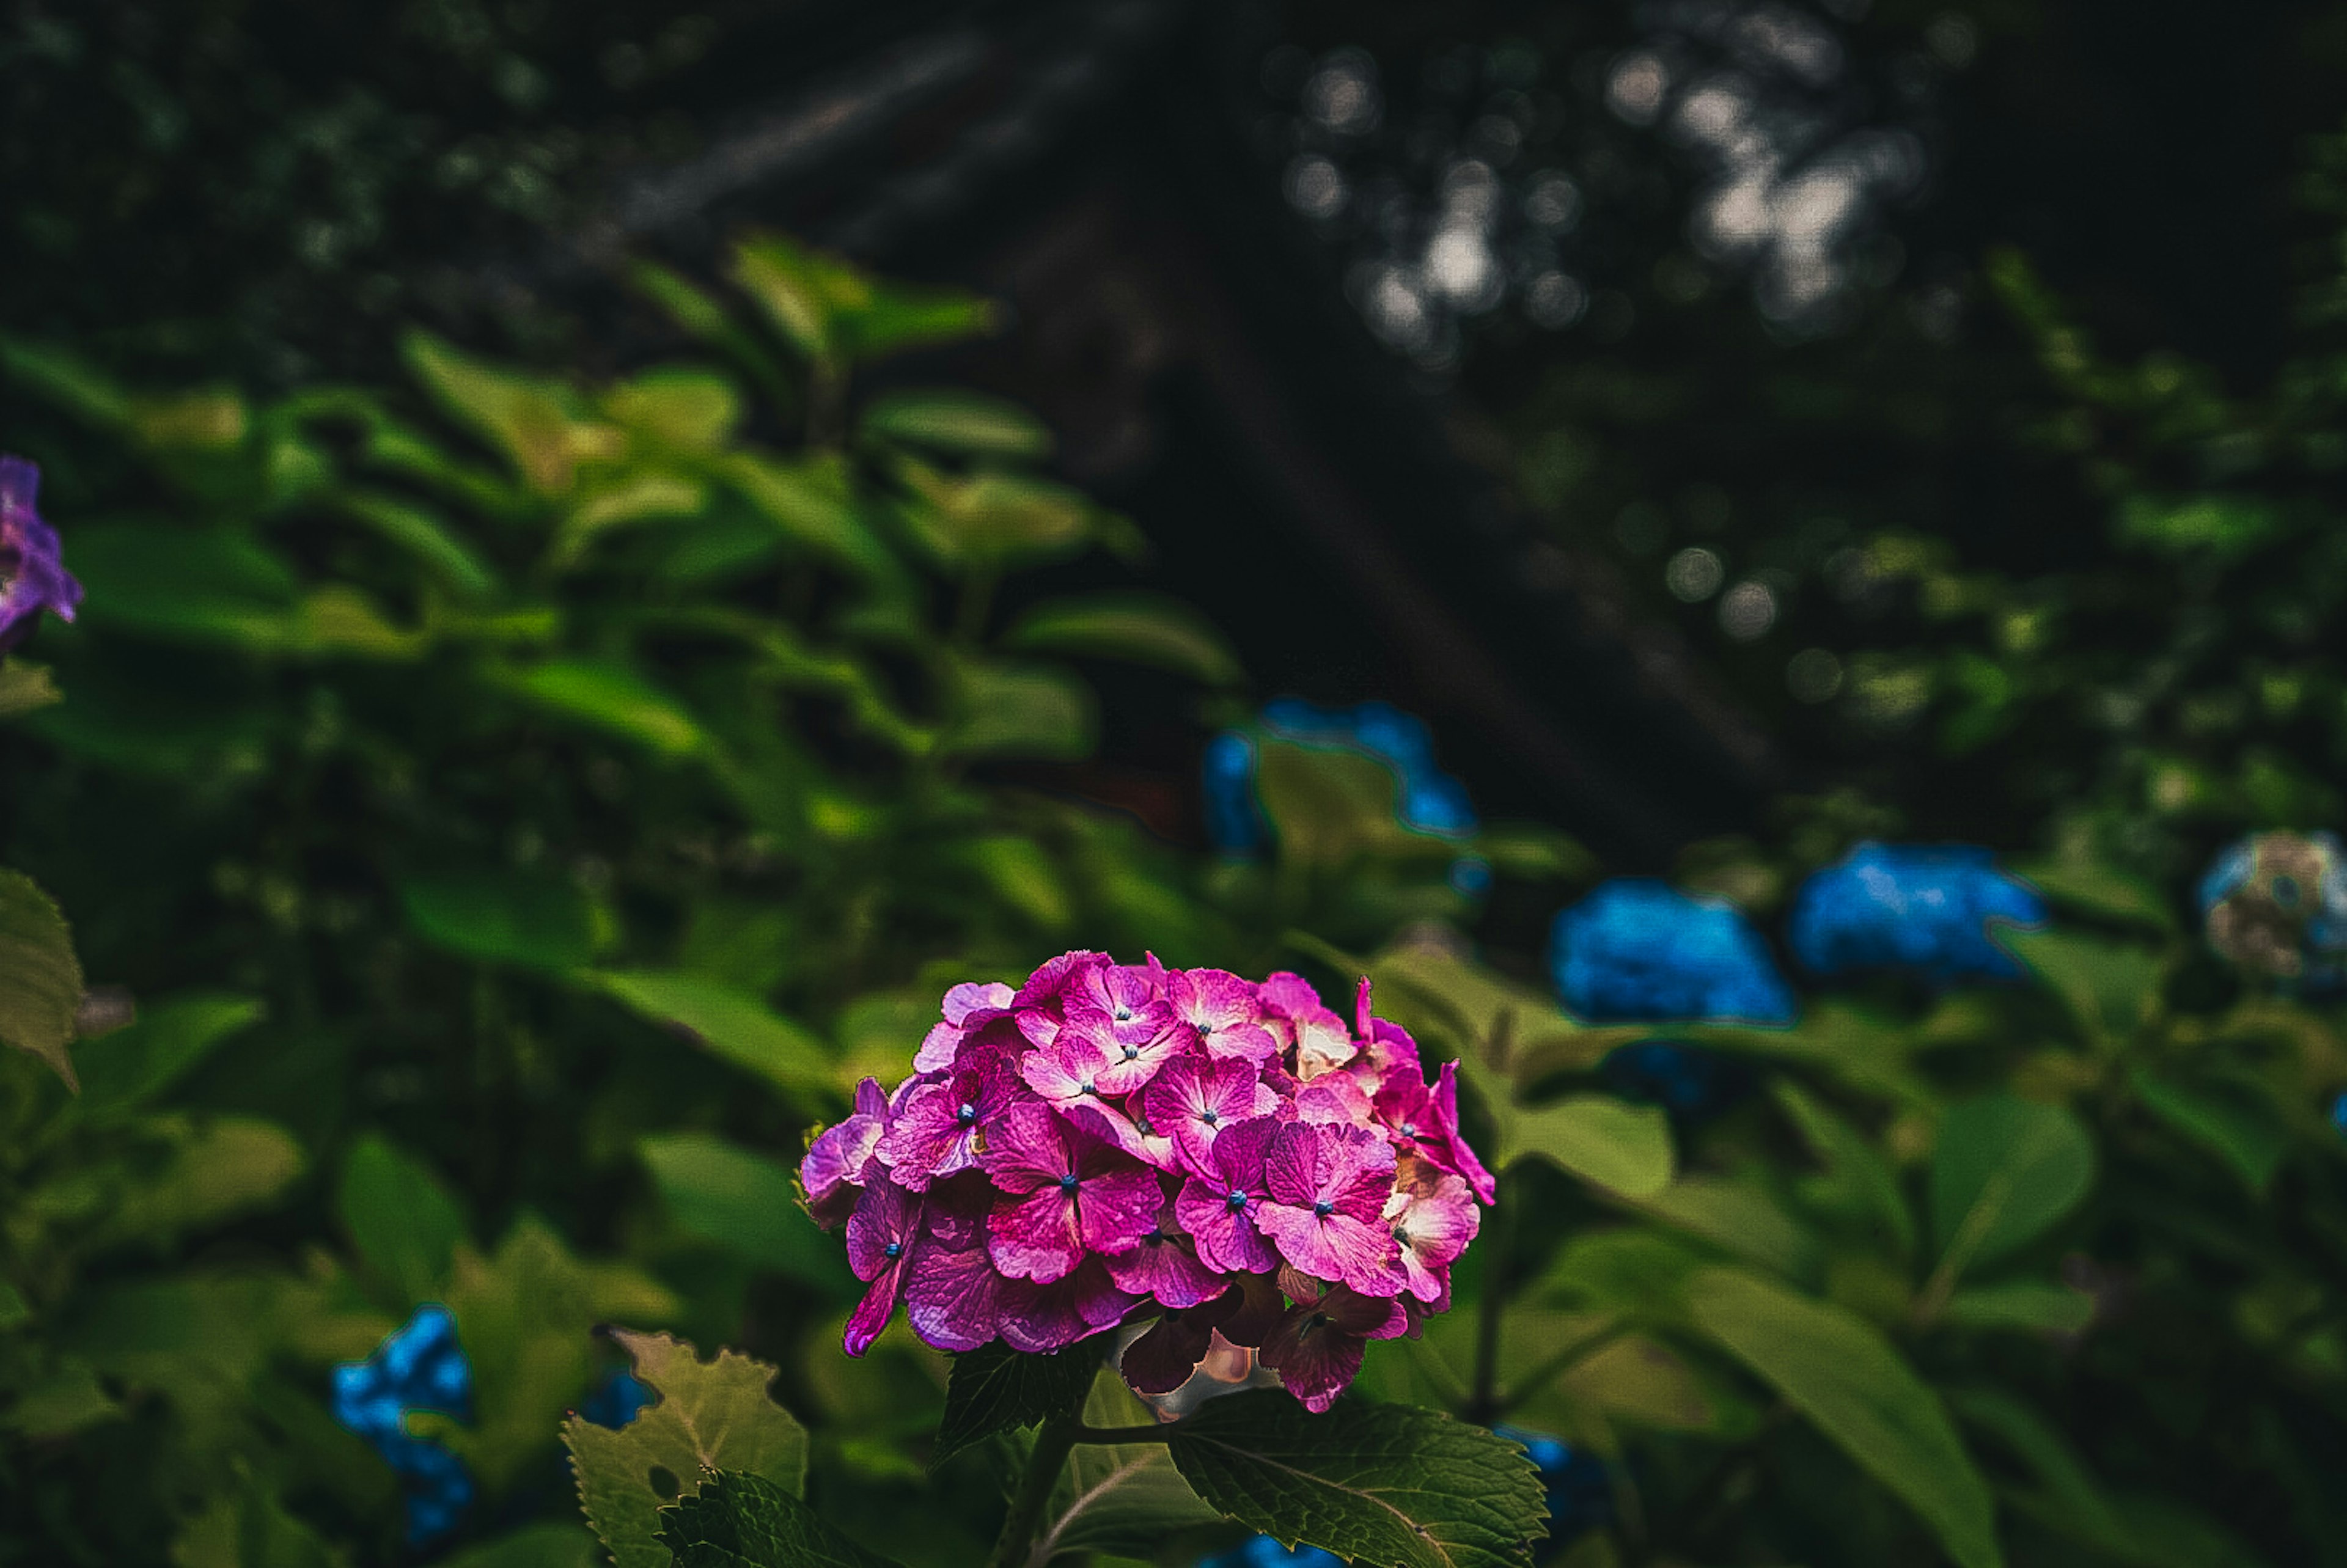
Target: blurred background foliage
[[563, 689]]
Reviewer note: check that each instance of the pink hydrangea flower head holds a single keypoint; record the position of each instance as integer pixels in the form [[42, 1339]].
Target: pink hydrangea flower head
[[1165, 1267], [1328, 1187], [1301, 1024], [1433, 1216], [1224, 1012], [969, 1009], [883, 1234], [1223, 1198], [1037, 1319], [938, 1129], [1195, 1098], [1317, 1348], [1067, 1193], [831, 1174]]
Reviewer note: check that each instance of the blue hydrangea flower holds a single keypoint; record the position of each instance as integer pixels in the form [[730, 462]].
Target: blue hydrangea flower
[[1689, 1082], [1429, 800], [2276, 903], [1264, 1551], [615, 1400], [419, 1367], [32, 576], [1923, 909], [1580, 1496], [1638, 950], [2338, 1114]]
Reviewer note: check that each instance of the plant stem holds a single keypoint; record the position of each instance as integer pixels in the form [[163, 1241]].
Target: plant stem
[[1053, 1438], [1484, 1401], [1156, 1432]]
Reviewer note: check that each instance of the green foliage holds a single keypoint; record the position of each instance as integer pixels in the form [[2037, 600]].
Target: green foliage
[[738, 1520], [1385, 1483], [997, 1389], [40, 979], [711, 1416]]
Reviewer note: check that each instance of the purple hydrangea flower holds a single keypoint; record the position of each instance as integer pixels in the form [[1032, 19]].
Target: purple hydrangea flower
[[33, 577]]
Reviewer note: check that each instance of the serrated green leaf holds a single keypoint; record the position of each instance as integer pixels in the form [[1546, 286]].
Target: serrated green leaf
[[2005, 1171], [404, 1223], [738, 1519], [133, 1064], [1140, 628], [747, 1204], [2238, 1122], [711, 1416], [1847, 1379], [727, 1020], [609, 697], [1123, 1499], [952, 420], [994, 1388], [1389, 1484], [504, 917], [40, 978]]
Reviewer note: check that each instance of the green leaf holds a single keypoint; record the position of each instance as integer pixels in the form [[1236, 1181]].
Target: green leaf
[[1848, 1380], [524, 1314], [1389, 1484], [402, 1222], [2100, 891], [610, 697], [217, 1166], [991, 517], [248, 1527], [727, 1020], [424, 538], [680, 407], [25, 687], [532, 1547], [957, 421], [2238, 1122], [2038, 1308], [711, 1416], [504, 917], [133, 1064], [1328, 807], [1625, 1148], [541, 426], [1124, 1498], [2109, 987], [747, 1204], [187, 584], [1857, 1179], [1141, 629], [738, 1520], [1740, 1219], [2005, 1172], [40, 978], [1026, 710], [65, 1399], [994, 1388]]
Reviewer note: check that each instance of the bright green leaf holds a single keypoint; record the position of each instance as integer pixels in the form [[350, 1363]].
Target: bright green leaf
[[958, 421], [710, 1415], [1388, 1485], [2038, 1308], [1139, 629], [40, 978], [747, 1204], [2005, 1172], [690, 410], [727, 1020], [1740, 1219], [1625, 1148], [1841, 1374], [612, 698], [539, 424]]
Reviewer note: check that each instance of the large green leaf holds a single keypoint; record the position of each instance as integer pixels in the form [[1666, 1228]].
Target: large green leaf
[[526, 1316], [1139, 629], [2005, 1172], [426, 537], [135, 1063], [1389, 1484], [539, 424], [2236, 1122], [187, 584], [1625, 1148], [609, 697], [994, 1388], [711, 1416], [40, 978], [2022, 1305], [747, 1204], [731, 1022], [2109, 987], [1122, 1499], [1023, 710], [404, 1223], [215, 1167], [1740, 1218], [1327, 806], [1846, 1379], [740, 1520], [248, 1527], [505, 917]]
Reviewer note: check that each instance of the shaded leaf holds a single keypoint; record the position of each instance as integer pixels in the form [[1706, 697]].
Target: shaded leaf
[[1389, 1484], [199, 585], [610, 697], [2236, 1122], [1740, 1219], [2005, 1172], [424, 537], [730, 1022], [747, 1204], [954, 421], [1125, 1499], [537, 423], [1848, 1380], [1027, 710], [740, 1520], [248, 1527], [2100, 891], [2108, 987], [404, 1223], [25, 687], [217, 1166], [40, 977], [1624, 1148], [505, 916], [1329, 806], [1139, 629], [531, 1546], [994, 1388], [2039, 1309], [710, 1415]]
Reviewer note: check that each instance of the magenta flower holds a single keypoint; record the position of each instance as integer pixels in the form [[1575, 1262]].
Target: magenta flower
[[1092, 1053], [1301, 1025], [882, 1236], [831, 1175], [1040, 1318], [1165, 1267], [1328, 1188], [1432, 1217], [953, 1297], [1068, 1193], [1222, 1199], [1194, 1100], [1225, 1012], [33, 577], [1317, 1348], [968, 1009], [1130, 1130], [939, 1129]]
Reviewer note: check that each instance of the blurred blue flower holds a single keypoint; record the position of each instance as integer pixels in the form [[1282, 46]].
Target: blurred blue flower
[[1923, 909], [1263, 1551], [615, 1400], [2276, 903], [1579, 1495], [419, 1367], [1639, 950], [1689, 1082], [2338, 1114], [1431, 801]]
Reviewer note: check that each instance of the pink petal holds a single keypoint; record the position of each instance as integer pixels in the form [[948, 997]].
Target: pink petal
[[953, 1299], [1035, 1237], [971, 996], [871, 1314], [1027, 1149], [1226, 1237]]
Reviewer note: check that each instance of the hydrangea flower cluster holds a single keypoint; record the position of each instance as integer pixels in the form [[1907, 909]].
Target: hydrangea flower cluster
[[1638, 950], [1114, 1142], [419, 1367], [33, 578], [2276, 903], [1923, 909], [1431, 801]]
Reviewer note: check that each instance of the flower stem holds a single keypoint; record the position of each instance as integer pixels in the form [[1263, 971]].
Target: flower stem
[[1053, 1438], [1483, 1403]]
